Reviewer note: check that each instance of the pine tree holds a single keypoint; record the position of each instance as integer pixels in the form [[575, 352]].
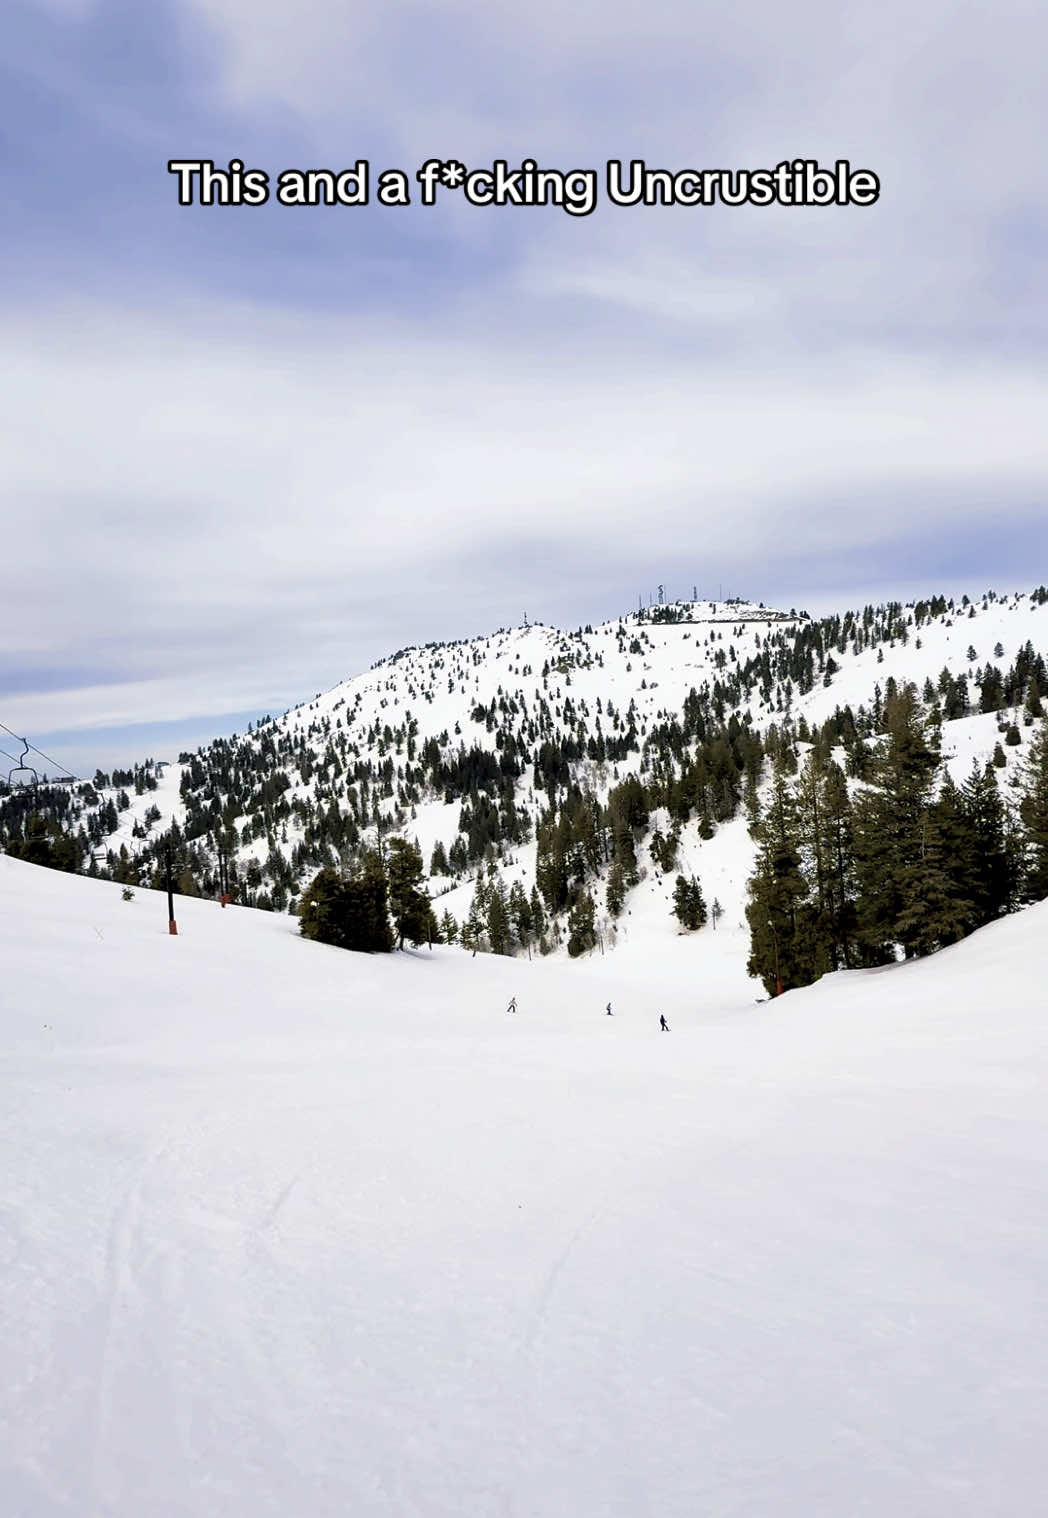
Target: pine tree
[[367, 905], [992, 848], [688, 904], [898, 857], [409, 904], [581, 925], [616, 893], [1033, 812], [520, 915], [125, 871], [474, 930], [836, 826], [938, 908], [500, 932], [779, 954], [350, 913], [815, 843], [551, 871], [538, 915], [321, 909]]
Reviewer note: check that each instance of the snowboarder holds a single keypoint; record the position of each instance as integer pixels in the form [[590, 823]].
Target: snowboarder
[[512, 1005], [663, 1024], [609, 1008]]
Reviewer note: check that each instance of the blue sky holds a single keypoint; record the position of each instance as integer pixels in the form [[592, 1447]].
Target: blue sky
[[246, 452]]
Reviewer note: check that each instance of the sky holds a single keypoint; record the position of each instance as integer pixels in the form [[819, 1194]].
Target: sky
[[246, 451]]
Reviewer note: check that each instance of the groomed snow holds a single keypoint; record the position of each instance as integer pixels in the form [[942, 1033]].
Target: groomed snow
[[288, 1231]]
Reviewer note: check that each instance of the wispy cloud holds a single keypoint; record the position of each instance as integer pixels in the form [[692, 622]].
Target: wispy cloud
[[246, 453]]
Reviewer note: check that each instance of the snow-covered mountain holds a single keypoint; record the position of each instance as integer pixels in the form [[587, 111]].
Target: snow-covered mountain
[[464, 747], [286, 1230]]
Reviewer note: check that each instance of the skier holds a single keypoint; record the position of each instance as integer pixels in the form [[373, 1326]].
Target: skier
[[512, 1005], [609, 1008], [663, 1024]]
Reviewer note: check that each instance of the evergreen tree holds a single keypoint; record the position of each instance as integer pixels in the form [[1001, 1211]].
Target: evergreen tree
[[520, 915], [1033, 811], [367, 898], [44, 842], [538, 915], [351, 913], [779, 948], [839, 863], [321, 909], [992, 850], [409, 904], [751, 799], [582, 933], [688, 904], [814, 838], [474, 929], [616, 892], [938, 908], [903, 896], [125, 872], [500, 932], [551, 871], [1033, 706]]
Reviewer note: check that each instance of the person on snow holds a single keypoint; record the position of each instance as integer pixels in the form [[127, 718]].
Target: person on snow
[[663, 1024], [609, 1008], [512, 1005]]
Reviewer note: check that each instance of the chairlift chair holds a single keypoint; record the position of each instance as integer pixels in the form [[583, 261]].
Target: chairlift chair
[[23, 776]]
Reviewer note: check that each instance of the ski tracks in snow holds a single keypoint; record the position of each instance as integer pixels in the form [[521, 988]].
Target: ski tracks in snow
[[545, 1294], [120, 1295]]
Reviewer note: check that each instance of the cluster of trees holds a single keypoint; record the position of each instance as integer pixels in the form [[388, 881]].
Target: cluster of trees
[[693, 767], [501, 920], [910, 863], [43, 841], [376, 905]]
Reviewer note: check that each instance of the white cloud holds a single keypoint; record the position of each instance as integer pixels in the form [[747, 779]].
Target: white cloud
[[227, 503], [926, 84], [947, 106], [237, 500]]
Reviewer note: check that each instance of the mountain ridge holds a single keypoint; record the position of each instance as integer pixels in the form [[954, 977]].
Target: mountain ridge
[[464, 746]]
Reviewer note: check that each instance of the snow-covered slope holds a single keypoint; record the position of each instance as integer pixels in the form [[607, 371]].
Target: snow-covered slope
[[601, 695], [631, 675], [286, 1230]]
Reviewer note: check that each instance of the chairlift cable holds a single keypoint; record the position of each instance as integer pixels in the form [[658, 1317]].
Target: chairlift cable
[[32, 748]]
